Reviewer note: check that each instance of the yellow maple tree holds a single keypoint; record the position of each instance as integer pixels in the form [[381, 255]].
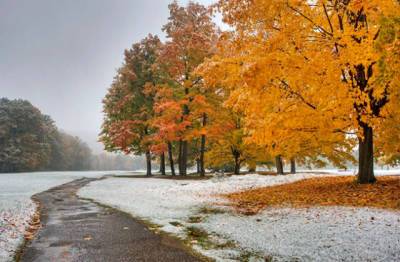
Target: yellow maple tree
[[313, 77]]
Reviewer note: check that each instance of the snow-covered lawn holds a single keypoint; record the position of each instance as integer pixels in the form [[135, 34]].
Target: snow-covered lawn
[[17, 208], [191, 210], [315, 234]]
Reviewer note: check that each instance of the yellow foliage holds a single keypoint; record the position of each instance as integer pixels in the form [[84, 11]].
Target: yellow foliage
[[309, 78]]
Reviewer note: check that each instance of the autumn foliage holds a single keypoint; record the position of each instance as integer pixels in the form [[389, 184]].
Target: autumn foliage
[[290, 81], [313, 78]]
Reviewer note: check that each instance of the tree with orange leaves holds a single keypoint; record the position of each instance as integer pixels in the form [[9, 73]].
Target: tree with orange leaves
[[191, 34], [128, 105], [167, 122]]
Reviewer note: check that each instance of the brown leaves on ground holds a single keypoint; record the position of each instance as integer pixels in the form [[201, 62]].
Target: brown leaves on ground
[[325, 191], [34, 226]]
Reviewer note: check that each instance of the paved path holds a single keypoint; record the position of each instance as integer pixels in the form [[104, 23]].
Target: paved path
[[80, 230]]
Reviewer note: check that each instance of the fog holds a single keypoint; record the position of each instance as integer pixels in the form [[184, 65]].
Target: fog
[[62, 55]]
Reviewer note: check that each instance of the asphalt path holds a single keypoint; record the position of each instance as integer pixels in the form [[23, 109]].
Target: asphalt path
[[75, 229]]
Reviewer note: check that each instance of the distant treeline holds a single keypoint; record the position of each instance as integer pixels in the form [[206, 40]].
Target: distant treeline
[[30, 141], [107, 162]]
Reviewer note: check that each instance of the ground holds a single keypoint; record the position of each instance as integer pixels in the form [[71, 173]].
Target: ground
[[198, 212], [205, 215]]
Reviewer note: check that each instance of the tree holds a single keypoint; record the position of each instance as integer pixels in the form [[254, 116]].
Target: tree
[[167, 122], [387, 148], [30, 141], [128, 106], [229, 147], [24, 137], [323, 72], [191, 34], [76, 155]]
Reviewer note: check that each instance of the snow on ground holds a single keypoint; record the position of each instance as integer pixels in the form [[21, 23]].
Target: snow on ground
[[164, 200], [17, 208], [315, 234]]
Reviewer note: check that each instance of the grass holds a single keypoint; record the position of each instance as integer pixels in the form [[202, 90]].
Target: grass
[[199, 236], [196, 235], [195, 219], [211, 210], [247, 256], [176, 224], [326, 191]]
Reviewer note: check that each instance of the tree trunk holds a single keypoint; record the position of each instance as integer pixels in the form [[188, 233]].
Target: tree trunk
[[366, 157], [279, 165], [252, 168], [184, 143], [148, 163], [183, 171], [198, 165], [292, 166], [203, 148], [171, 159], [180, 157], [202, 152], [237, 165], [162, 164]]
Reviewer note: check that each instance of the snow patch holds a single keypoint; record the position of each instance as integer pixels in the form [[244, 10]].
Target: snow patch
[[316, 234]]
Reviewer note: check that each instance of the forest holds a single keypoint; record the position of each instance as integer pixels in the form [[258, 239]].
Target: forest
[[288, 82], [30, 141]]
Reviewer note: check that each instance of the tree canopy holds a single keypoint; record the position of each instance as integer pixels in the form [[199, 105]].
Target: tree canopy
[[30, 141], [296, 81]]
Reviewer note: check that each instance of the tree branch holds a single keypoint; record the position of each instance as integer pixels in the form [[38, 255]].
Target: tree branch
[[288, 89], [311, 21]]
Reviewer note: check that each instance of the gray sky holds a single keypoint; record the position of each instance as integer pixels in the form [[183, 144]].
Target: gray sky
[[62, 54]]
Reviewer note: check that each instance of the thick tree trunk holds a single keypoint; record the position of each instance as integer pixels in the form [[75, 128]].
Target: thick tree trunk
[[148, 163], [203, 148], [366, 157], [171, 159], [162, 164], [292, 166], [279, 165]]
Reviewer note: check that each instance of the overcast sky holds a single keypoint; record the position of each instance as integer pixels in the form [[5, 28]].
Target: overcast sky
[[62, 54]]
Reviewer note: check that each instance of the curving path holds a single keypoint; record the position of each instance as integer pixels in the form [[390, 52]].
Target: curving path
[[75, 229]]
